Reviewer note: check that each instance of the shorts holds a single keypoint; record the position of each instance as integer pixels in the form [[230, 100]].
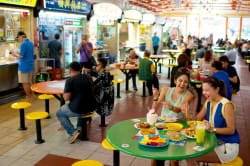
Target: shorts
[[25, 77], [227, 152]]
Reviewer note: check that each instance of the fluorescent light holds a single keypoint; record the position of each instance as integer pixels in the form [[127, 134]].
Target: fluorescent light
[[11, 9]]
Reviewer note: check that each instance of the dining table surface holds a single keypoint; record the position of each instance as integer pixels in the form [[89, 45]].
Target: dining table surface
[[121, 136], [50, 87]]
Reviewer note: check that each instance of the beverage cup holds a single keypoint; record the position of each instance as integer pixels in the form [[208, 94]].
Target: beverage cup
[[200, 134]]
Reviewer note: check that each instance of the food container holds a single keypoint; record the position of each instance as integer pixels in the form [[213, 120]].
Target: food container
[[152, 117], [174, 126]]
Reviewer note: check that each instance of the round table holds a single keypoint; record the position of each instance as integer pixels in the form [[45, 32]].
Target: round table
[[50, 87], [125, 69], [123, 132]]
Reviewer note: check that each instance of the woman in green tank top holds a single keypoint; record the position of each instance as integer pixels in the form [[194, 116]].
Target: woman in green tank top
[[174, 99]]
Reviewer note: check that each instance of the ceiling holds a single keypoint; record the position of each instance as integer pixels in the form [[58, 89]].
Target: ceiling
[[167, 7]]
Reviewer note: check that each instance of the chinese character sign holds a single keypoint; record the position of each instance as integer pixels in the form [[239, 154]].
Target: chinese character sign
[[20, 2], [68, 5]]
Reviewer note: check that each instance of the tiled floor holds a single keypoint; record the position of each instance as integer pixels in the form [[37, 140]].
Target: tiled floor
[[18, 147]]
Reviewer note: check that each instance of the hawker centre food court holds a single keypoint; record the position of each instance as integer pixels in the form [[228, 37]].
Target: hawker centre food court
[[125, 83]]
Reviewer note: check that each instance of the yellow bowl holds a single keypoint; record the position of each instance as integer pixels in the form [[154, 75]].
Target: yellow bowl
[[192, 123], [174, 126]]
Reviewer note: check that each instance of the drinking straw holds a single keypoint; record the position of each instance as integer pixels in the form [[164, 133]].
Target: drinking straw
[[186, 112]]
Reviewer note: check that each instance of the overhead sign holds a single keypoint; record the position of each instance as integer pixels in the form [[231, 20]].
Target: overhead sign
[[107, 10], [31, 3], [132, 14], [68, 5]]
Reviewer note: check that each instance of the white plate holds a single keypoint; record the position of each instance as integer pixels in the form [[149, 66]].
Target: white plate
[[183, 132]]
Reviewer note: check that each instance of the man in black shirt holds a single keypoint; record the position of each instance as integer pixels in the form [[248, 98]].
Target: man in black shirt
[[79, 91]]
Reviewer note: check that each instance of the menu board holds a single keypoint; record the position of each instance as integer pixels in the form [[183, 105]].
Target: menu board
[[31, 3], [68, 5]]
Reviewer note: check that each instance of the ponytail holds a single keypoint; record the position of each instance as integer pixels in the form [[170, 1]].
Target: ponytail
[[215, 83], [222, 91]]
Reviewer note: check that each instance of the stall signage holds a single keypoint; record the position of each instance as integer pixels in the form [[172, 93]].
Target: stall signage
[[73, 22], [148, 17], [107, 10], [132, 14], [20, 2], [68, 5]]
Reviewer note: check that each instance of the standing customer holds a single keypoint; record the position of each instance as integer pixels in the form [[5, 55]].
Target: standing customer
[[26, 63], [54, 51], [231, 54], [156, 41], [147, 72], [79, 92], [86, 49]]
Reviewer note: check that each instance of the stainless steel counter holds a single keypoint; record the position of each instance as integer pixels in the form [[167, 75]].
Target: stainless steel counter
[[8, 75]]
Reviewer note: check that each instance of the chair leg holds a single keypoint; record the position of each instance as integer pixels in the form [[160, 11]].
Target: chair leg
[[103, 123], [116, 158], [144, 89], [22, 120], [118, 90], [160, 162], [47, 108], [83, 136], [39, 139], [160, 68]]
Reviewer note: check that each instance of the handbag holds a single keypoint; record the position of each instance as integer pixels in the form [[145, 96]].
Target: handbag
[[91, 60]]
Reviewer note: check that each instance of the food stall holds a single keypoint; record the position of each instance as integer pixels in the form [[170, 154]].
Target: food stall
[[103, 29], [68, 19], [15, 17], [128, 31]]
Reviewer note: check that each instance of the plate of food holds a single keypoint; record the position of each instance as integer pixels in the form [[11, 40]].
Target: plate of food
[[167, 119], [142, 125], [161, 125], [193, 123], [146, 131], [189, 132], [153, 141], [175, 136]]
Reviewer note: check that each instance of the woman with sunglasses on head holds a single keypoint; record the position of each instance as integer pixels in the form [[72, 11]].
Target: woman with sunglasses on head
[[220, 115], [103, 88]]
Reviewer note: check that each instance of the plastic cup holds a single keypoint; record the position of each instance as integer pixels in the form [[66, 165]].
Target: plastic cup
[[202, 78], [200, 134]]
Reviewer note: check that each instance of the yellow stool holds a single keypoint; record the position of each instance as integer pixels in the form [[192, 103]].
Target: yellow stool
[[235, 94], [143, 87], [38, 116], [248, 62], [46, 98], [21, 106], [83, 123], [236, 162], [116, 153], [118, 81], [87, 163], [112, 75]]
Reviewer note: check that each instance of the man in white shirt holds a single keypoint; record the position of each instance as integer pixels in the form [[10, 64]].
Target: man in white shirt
[[231, 54]]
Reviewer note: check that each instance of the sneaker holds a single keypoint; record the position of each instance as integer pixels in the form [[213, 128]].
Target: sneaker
[[73, 137], [135, 88]]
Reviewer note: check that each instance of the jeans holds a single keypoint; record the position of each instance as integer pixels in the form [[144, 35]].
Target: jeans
[[63, 115]]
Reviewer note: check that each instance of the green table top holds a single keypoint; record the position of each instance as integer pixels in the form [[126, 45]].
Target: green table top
[[124, 131]]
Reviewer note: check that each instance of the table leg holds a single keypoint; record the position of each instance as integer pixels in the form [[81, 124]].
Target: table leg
[[127, 80], [47, 108], [160, 162], [169, 69], [61, 99], [155, 66]]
